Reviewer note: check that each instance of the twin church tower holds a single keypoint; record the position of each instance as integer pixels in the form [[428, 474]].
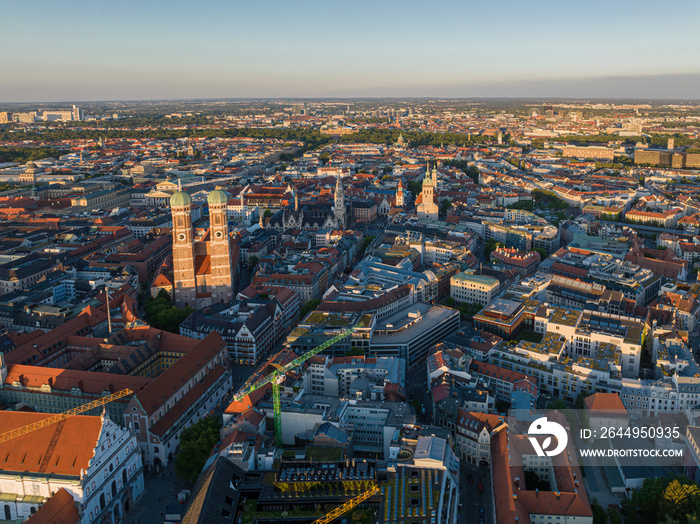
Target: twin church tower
[[202, 271]]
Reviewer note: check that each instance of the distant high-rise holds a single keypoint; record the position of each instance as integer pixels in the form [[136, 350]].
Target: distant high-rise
[[77, 113], [671, 144]]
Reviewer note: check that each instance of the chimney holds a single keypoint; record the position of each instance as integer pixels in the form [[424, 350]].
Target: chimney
[[558, 494]]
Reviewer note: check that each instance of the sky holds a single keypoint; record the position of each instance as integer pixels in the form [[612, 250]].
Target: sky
[[150, 49]]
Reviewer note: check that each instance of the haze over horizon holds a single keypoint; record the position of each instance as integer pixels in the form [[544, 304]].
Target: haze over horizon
[[73, 51]]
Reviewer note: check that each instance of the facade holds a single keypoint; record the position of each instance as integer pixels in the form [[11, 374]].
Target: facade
[[473, 289], [95, 460], [250, 329], [411, 333], [514, 501], [339, 209], [365, 212], [600, 153], [426, 205], [507, 318], [102, 200], [186, 392], [203, 271], [525, 263]]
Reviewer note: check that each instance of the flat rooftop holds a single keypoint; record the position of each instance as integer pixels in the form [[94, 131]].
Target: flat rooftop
[[478, 279], [504, 307], [409, 323]]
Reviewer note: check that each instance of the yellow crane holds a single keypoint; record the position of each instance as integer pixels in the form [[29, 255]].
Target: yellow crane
[[340, 510], [53, 419]]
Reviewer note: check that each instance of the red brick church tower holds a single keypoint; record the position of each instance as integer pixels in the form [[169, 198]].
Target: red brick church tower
[[202, 260], [221, 278], [184, 278]]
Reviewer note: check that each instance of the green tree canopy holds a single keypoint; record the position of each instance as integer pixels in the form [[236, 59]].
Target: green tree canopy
[[161, 314], [196, 443]]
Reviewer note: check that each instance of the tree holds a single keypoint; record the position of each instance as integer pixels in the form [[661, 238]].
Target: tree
[[161, 314], [355, 351], [674, 496], [556, 404], [415, 188], [542, 252], [309, 307], [444, 206], [196, 443], [599, 516], [267, 213], [324, 157], [365, 243], [252, 262], [579, 401], [490, 246], [525, 205]]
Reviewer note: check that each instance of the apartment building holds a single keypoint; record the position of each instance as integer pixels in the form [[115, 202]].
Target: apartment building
[[249, 328], [503, 381]]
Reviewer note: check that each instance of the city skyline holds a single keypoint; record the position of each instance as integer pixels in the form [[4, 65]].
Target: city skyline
[[78, 51]]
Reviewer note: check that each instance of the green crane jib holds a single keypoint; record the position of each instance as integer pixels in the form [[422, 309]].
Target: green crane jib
[[276, 376]]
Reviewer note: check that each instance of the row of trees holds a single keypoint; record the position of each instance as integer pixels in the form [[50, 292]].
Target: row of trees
[[673, 499], [23, 155]]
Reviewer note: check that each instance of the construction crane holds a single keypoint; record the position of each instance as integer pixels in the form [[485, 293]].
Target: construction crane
[[337, 512], [276, 376], [53, 419]]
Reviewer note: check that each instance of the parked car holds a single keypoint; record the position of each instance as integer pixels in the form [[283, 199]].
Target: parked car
[[470, 479], [480, 487], [482, 512]]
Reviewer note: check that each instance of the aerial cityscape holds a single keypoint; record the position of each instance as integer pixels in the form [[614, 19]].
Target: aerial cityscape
[[299, 264]]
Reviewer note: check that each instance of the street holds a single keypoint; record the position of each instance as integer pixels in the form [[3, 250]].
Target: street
[[470, 497], [160, 494]]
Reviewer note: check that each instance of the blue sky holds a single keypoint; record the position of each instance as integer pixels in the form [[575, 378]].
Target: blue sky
[[98, 50]]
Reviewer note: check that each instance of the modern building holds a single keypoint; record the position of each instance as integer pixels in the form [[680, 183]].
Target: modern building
[[411, 333], [469, 288]]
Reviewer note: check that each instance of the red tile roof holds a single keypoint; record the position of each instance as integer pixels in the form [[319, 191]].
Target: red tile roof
[[75, 440], [59, 509], [164, 386]]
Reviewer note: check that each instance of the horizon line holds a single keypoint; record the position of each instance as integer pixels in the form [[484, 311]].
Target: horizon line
[[361, 98]]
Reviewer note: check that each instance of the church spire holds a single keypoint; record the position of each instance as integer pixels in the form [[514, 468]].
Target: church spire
[[339, 202]]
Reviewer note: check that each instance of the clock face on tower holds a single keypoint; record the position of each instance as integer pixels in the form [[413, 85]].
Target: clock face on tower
[[181, 237], [218, 234]]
